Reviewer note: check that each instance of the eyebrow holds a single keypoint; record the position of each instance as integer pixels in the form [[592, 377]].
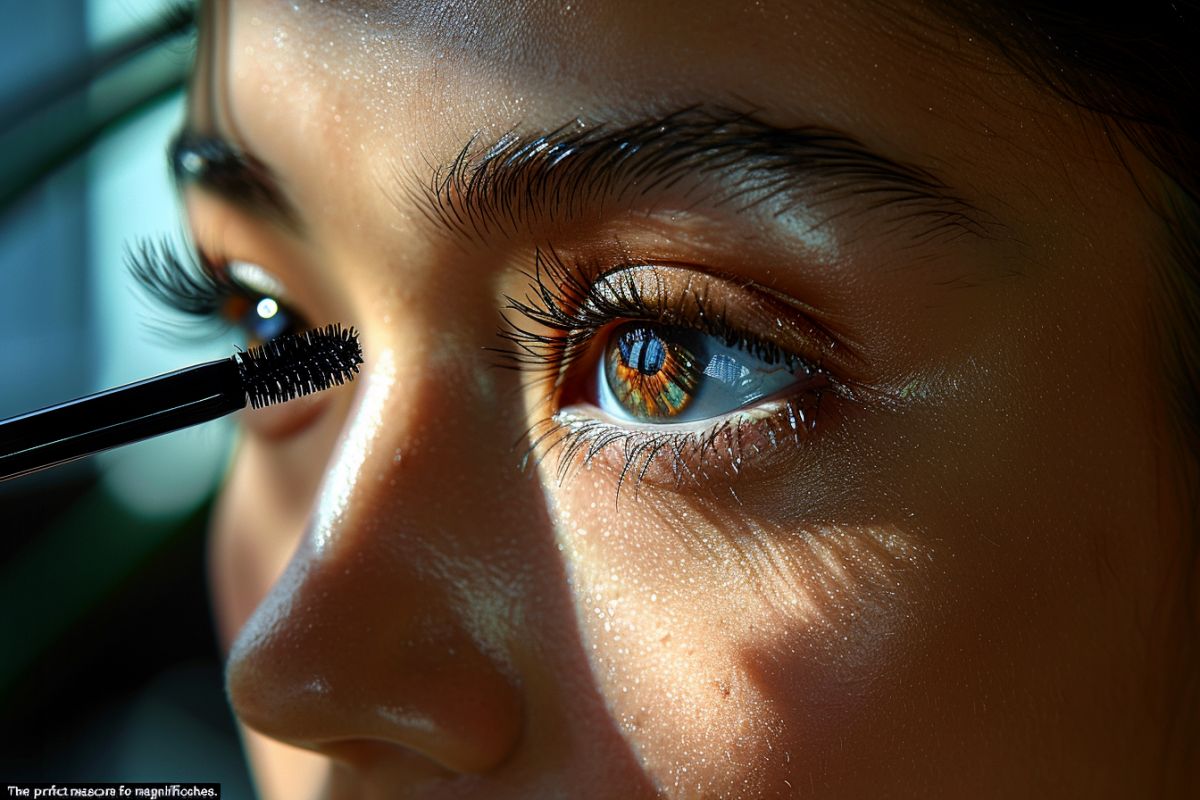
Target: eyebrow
[[217, 165], [521, 179]]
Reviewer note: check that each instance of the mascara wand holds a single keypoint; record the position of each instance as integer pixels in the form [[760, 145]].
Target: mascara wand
[[280, 370]]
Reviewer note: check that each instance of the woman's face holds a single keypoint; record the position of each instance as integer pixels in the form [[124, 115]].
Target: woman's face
[[828, 461]]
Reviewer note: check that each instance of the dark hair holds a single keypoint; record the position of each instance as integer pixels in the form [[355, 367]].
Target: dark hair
[[1134, 67]]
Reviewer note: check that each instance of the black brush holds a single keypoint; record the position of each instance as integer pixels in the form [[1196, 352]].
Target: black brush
[[280, 370]]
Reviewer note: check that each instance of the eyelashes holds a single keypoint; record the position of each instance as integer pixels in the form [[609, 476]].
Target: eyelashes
[[552, 333], [551, 336], [567, 309], [181, 282]]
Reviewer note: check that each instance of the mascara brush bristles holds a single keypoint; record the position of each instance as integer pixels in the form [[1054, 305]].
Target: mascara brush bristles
[[280, 370], [292, 366]]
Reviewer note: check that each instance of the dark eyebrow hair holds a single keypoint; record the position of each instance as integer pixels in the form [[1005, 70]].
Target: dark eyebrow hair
[[553, 176], [221, 167]]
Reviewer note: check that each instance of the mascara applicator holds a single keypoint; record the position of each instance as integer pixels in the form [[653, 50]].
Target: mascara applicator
[[280, 370]]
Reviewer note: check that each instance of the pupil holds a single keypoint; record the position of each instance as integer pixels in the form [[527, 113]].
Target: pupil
[[642, 350]]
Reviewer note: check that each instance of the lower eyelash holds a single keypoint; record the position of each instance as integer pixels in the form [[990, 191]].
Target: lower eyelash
[[689, 455]]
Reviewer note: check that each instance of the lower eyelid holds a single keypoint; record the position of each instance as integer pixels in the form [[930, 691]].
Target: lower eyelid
[[278, 422], [680, 454]]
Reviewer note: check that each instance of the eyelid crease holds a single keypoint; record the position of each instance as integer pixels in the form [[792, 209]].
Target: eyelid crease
[[241, 179], [517, 181]]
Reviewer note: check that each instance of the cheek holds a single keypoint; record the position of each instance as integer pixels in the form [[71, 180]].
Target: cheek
[[731, 649], [257, 524], [264, 509], [243, 564]]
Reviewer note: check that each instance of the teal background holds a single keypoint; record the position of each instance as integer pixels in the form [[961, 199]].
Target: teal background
[[109, 668]]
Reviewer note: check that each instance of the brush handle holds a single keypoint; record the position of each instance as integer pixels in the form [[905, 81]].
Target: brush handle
[[119, 416]]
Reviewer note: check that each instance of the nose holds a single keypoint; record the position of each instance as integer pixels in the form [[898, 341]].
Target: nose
[[390, 631]]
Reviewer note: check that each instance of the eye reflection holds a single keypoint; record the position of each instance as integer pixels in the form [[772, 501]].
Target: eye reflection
[[267, 308], [265, 320], [658, 373], [256, 307]]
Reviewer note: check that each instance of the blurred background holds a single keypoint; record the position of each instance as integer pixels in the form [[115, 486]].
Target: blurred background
[[109, 668]]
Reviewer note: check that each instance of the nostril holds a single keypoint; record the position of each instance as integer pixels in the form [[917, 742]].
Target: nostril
[[458, 719], [474, 727], [396, 765]]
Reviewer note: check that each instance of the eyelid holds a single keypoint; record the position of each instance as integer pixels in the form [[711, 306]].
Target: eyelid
[[253, 256], [688, 296], [569, 302], [256, 278], [221, 168]]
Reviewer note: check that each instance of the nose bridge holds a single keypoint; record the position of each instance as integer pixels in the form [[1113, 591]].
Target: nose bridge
[[393, 620], [426, 476], [431, 454]]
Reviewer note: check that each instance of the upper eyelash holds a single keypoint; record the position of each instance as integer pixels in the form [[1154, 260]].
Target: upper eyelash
[[567, 302], [185, 282], [560, 303]]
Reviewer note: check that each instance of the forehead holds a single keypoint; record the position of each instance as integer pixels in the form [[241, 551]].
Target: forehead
[[417, 80], [795, 56]]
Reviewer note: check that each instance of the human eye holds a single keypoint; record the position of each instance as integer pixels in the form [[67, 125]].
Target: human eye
[[663, 374], [664, 364], [214, 294]]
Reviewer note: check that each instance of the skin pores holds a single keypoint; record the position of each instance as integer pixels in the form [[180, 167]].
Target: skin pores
[[941, 585]]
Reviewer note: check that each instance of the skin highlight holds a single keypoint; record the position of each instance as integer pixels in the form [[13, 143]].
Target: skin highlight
[[950, 583]]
